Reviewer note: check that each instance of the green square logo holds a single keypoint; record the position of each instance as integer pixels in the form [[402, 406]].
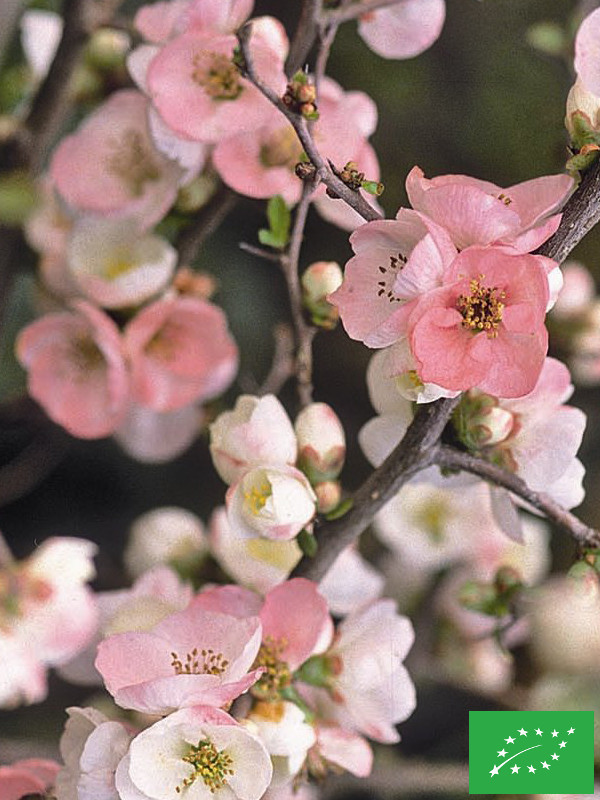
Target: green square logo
[[531, 752]]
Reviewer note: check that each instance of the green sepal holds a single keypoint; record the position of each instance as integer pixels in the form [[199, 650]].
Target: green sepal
[[312, 116], [290, 693], [342, 509], [315, 672], [300, 77], [280, 218], [307, 543], [372, 187]]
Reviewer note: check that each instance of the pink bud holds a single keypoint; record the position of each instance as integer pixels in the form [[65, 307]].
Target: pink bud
[[319, 280], [321, 442], [329, 494]]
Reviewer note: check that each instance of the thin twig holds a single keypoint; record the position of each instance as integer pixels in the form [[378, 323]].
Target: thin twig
[[340, 15], [451, 458], [304, 37], [268, 255], [415, 452], [208, 220], [282, 367], [324, 172]]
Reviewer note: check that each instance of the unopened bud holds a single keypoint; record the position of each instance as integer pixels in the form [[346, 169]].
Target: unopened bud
[[301, 95], [318, 281], [107, 49], [321, 443], [481, 422], [329, 495], [583, 114], [305, 170], [196, 194], [195, 284]]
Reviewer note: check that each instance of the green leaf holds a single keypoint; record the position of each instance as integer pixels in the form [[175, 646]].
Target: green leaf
[[280, 218], [372, 187], [307, 543]]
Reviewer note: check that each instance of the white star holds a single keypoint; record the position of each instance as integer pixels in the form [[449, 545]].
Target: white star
[[522, 732], [545, 765], [562, 744], [572, 730], [502, 753], [554, 733], [494, 771], [554, 757], [510, 740], [531, 768], [538, 731], [515, 768]]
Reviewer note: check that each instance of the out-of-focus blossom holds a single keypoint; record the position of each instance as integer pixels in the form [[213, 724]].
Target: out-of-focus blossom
[[201, 752], [256, 563], [91, 747], [485, 327], [115, 265], [180, 351], [40, 34], [30, 776], [76, 370], [350, 583], [318, 281], [476, 212], [341, 748], [276, 502], [587, 52], [403, 30], [38, 627], [257, 432], [321, 442], [159, 22], [167, 535], [193, 657], [110, 165], [154, 437]]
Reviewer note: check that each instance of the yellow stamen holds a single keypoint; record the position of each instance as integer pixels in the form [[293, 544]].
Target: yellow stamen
[[210, 765], [482, 309]]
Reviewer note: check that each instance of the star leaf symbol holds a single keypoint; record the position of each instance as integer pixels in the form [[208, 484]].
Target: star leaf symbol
[[510, 740], [562, 744], [523, 732], [514, 769], [554, 757], [501, 753], [531, 768], [554, 733], [571, 730], [494, 771], [538, 732], [545, 764]]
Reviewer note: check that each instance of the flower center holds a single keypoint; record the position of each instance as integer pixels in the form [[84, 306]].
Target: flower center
[[256, 497], [217, 75], [210, 765], [386, 285], [18, 592], [86, 355], [200, 662], [132, 162], [482, 309], [278, 675], [117, 267], [281, 149]]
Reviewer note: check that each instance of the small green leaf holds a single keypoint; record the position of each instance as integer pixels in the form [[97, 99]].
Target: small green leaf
[[372, 187], [300, 77], [342, 509], [312, 116], [279, 217], [307, 543], [316, 672]]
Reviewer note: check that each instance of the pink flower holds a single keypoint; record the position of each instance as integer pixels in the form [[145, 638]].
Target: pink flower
[[159, 22], [199, 92], [110, 166], [257, 432], [477, 212], [27, 777], [587, 52], [276, 502], [403, 30], [485, 327], [76, 369], [343, 748], [180, 352], [154, 437], [194, 657], [200, 753], [395, 262]]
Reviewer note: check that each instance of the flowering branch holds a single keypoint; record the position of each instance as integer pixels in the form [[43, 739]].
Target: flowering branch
[[450, 458], [324, 172], [417, 451]]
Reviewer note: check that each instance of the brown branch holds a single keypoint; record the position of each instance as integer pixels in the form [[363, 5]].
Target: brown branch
[[448, 457], [206, 223], [339, 15], [324, 172], [304, 37], [417, 450], [580, 214]]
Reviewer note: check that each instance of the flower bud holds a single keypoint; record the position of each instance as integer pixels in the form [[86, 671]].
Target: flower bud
[[481, 422], [580, 102], [107, 49], [321, 442], [318, 281], [329, 495]]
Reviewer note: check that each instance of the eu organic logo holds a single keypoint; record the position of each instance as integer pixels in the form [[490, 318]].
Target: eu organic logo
[[531, 752]]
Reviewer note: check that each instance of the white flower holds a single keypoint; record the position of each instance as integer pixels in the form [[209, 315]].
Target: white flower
[[283, 730]]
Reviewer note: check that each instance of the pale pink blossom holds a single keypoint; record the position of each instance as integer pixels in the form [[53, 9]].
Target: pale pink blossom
[[154, 437], [371, 684], [110, 165], [403, 30], [257, 563], [321, 442], [350, 582], [395, 262], [485, 327], [257, 432], [180, 351], [587, 52], [115, 265], [200, 93], [581, 103], [159, 22], [577, 293], [193, 657], [91, 747], [199, 752], [476, 212], [276, 502], [343, 748], [76, 370], [30, 776], [165, 535]]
